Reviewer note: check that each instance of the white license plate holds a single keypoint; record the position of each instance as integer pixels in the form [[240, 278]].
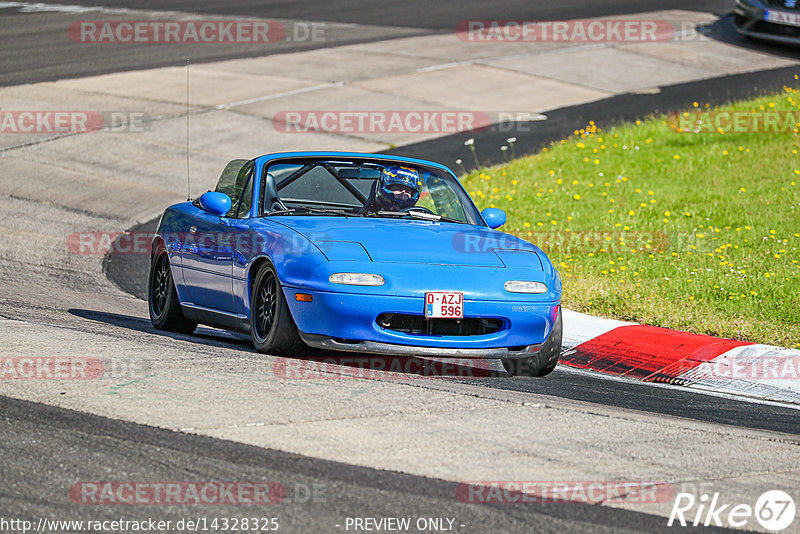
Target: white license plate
[[444, 305], [783, 17]]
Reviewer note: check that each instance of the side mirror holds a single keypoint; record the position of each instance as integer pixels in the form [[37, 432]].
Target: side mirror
[[494, 217], [216, 203]]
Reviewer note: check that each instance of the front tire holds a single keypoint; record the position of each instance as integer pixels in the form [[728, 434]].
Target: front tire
[[272, 328], [162, 299], [545, 361]]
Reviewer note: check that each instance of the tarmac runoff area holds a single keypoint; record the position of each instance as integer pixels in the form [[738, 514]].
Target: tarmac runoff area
[[58, 304]]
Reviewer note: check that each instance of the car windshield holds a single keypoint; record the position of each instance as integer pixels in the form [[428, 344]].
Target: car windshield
[[366, 189]]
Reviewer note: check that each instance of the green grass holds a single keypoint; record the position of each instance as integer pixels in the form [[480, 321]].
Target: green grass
[[693, 231]]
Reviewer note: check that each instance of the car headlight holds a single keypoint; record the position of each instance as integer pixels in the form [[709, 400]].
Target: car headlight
[[520, 286], [357, 279]]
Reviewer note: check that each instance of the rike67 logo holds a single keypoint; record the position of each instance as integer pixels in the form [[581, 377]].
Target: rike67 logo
[[774, 510]]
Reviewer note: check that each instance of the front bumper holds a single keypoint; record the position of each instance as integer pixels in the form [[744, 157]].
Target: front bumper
[[749, 19], [388, 349], [348, 322]]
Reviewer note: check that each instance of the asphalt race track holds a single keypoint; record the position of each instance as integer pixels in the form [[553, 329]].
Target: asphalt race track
[[46, 439], [39, 53], [412, 14], [207, 413]]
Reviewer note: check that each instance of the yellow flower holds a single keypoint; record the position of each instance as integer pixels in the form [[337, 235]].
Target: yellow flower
[[577, 197], [667, 214], [742, 189], [676, 156], [631, 213]]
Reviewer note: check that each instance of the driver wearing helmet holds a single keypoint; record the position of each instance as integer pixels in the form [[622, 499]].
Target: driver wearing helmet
[[397, 189]]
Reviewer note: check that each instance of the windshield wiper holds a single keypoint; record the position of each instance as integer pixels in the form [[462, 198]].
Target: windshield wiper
[[418, 214], [304, 209]]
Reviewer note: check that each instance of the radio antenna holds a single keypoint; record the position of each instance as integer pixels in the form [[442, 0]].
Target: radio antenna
[[188, 180]]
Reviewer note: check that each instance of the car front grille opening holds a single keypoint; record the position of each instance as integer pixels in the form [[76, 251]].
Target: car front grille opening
[[420, 326], [775, 29]]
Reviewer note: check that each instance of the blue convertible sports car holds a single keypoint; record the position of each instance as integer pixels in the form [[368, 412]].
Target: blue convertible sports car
[[355, 252]]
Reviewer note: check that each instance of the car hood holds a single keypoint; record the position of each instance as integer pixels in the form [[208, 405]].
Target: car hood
[[413, 241]]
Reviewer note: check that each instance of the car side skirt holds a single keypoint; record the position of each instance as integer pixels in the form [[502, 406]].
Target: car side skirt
[[216, 318]]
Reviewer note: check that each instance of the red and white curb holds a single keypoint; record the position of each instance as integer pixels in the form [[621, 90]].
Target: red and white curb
[[653, 354]]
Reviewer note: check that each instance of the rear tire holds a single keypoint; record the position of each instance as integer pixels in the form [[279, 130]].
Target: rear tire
[[545, 361], [272, 328], [162, 299]]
